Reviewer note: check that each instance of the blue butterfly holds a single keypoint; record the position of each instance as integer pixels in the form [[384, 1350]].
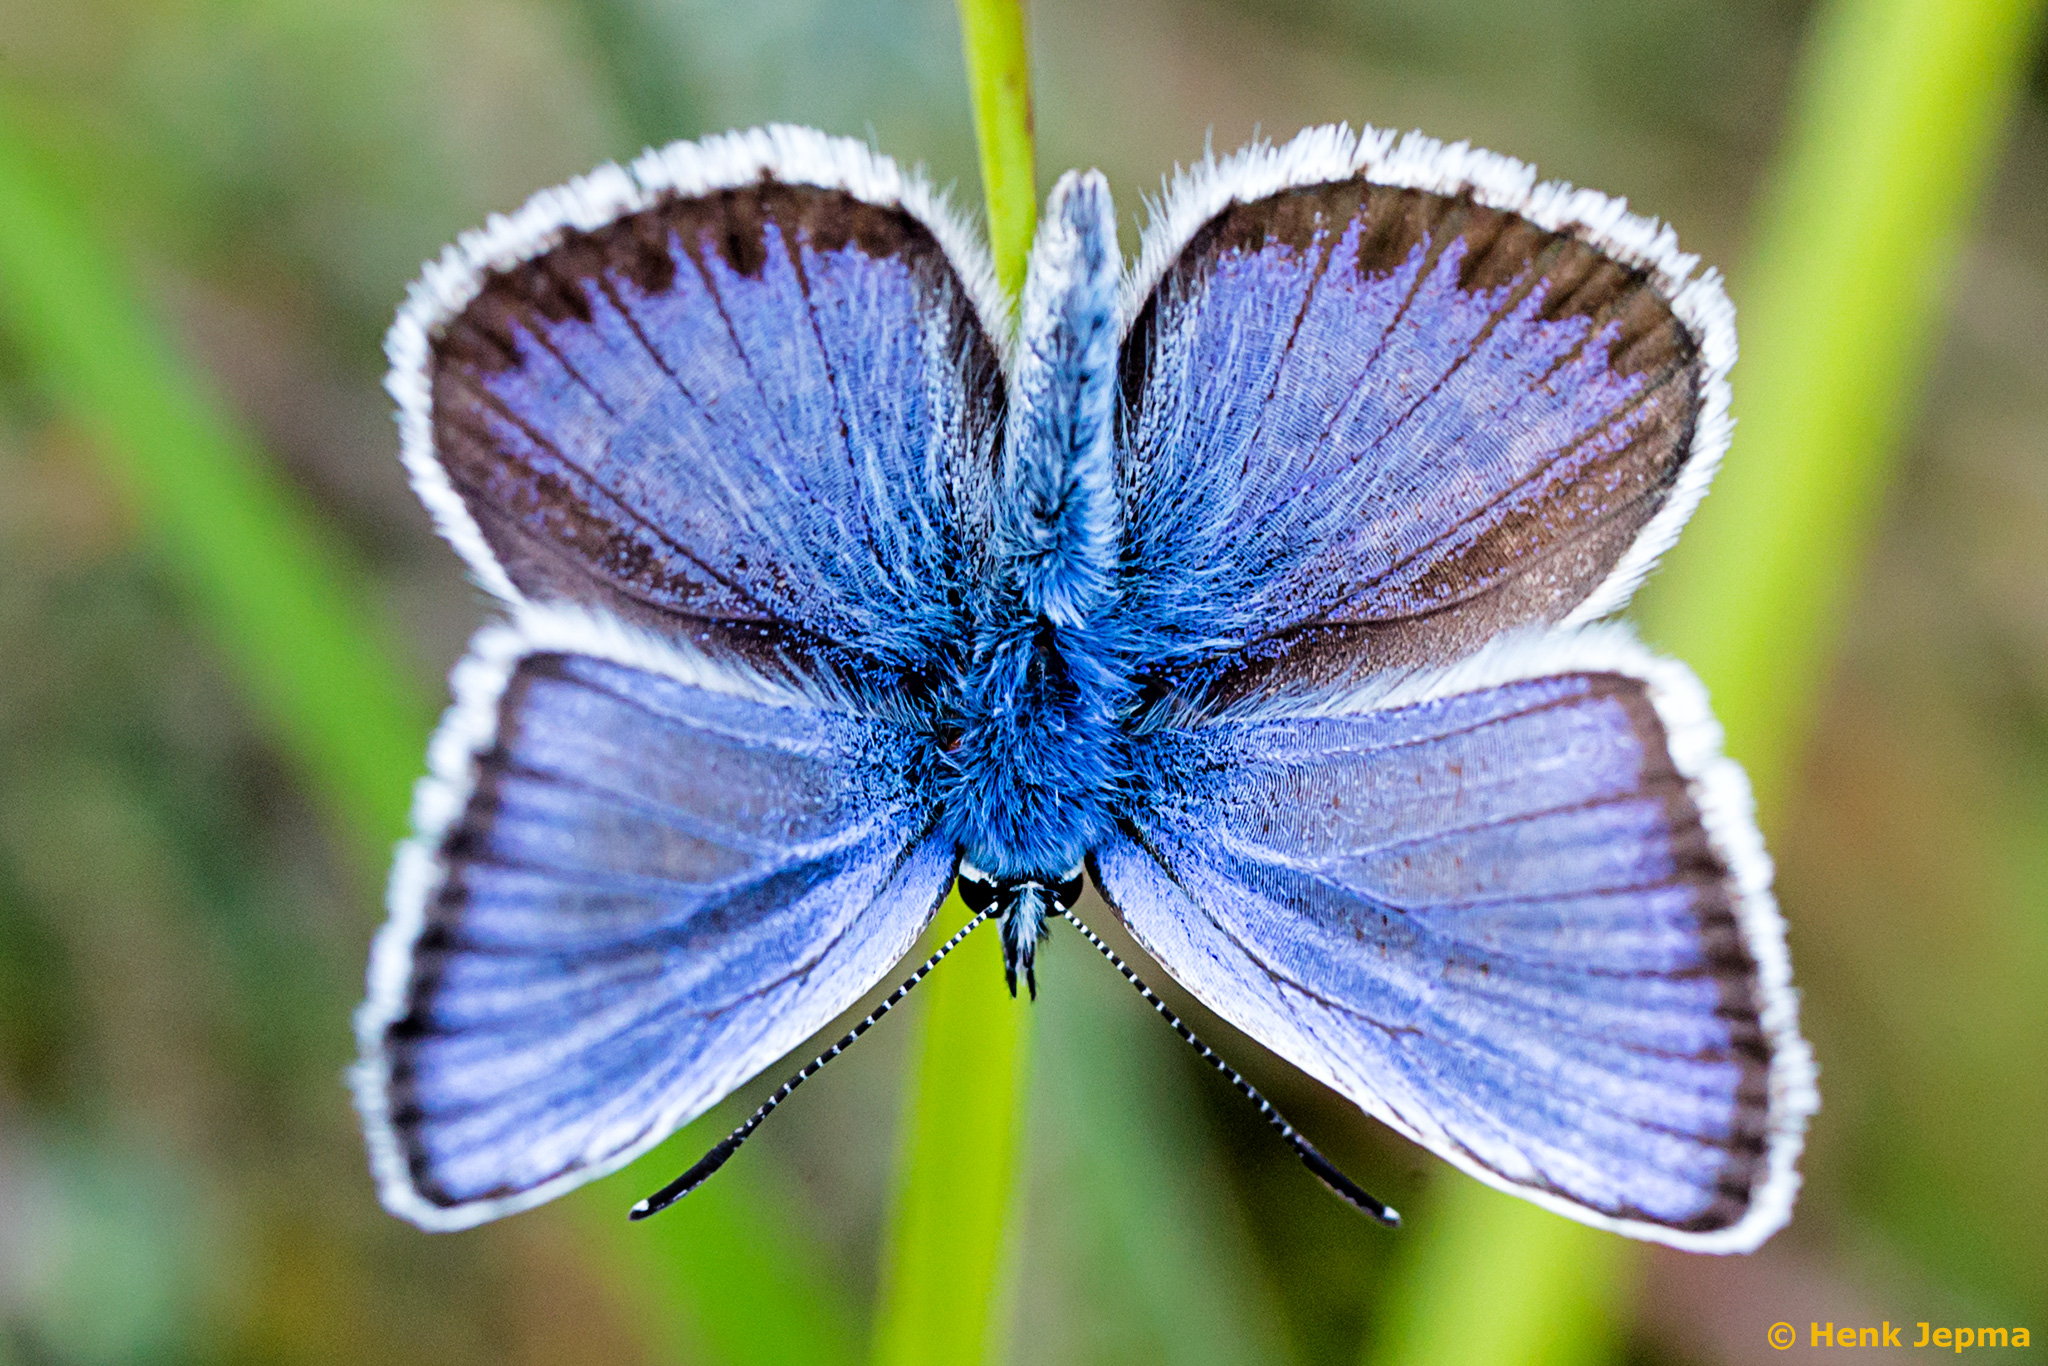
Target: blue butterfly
[[1261, 583]]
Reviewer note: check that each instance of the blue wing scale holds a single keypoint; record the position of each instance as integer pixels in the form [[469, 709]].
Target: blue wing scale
[[740, 406], [1376, 417], [1521, 920], [647, 890]]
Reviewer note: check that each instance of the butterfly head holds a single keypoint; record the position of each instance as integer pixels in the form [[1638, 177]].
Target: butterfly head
[[1021, 905]]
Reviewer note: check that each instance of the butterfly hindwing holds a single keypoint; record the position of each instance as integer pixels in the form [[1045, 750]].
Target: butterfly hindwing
[[744, 392], [641, 878], [1386, 402], [1523, 918]]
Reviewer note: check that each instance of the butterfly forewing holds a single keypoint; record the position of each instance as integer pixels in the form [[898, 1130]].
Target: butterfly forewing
[[1523, 919], [645, 891], [744, 407], [1371, 425]]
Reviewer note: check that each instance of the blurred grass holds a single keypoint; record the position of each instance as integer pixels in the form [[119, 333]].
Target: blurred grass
[[731, 1258], [641, 62], [1898, 117], [950, 1262], [1495, 1280], [285, 607], [950, 1270], [277, 591], [1896, 121], [1133, 1258]]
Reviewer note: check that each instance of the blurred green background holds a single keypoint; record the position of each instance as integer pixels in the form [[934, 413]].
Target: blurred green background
[[183, 924]]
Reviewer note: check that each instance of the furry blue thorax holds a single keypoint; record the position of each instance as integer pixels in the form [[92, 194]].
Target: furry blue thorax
[[1032, 778]]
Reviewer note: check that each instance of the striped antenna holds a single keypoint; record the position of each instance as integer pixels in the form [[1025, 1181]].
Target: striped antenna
[[730, 1144], [1305, 1150]]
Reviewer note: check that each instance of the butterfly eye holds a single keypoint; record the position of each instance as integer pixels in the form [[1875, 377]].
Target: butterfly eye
[[976, 889], [1069, 891]]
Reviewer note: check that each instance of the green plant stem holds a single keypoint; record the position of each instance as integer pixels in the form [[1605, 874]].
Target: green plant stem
[[946, 1284], [285, 607], [944, 1292], [1895, 125], [999, 80]]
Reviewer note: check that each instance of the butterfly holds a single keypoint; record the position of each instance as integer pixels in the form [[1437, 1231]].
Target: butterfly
[[1260, 584]]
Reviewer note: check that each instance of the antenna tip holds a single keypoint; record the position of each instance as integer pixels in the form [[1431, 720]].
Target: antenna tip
[[1344, 1185], [640, 1210]]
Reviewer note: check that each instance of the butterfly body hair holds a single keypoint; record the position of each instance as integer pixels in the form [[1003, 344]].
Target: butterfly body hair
[[1039, 765], [1058, 535]]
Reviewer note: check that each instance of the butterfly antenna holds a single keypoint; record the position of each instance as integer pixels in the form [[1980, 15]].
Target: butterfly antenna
[[1305, 1150], [730, 1144]]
